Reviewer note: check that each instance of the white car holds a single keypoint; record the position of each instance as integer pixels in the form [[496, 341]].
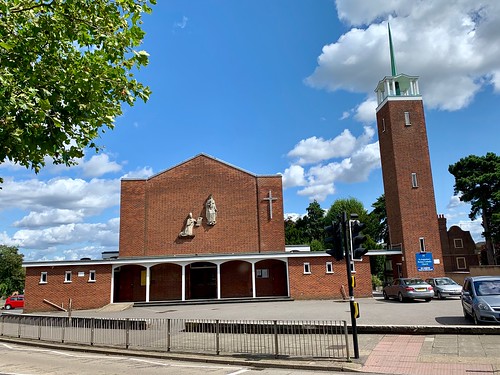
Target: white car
[[445, 287]]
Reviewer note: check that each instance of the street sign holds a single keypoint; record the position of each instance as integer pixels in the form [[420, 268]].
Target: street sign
[[425, 262]]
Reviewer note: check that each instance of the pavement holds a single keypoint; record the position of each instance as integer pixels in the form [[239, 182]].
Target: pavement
[[439, 343]]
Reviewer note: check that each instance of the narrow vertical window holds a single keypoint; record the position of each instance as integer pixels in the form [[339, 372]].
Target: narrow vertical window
[[67, 276], [461, 264], [43, 278], [414, 182], [329, 267], [407, 119], [422, 244], [307, 268], [383, 125], [92, 276]]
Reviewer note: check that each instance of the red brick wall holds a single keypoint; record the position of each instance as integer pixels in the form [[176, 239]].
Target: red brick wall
[[411, 212], [236, 279], [321, 285], [166, 282], [84, 294], [243, 225]]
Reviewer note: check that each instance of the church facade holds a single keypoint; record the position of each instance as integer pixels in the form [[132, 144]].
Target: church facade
[[201, 230]]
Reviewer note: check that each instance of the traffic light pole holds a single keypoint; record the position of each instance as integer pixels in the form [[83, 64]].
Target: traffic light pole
[[354, 328]]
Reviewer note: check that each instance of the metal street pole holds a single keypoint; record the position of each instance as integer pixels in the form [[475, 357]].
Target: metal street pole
[[347, 246]]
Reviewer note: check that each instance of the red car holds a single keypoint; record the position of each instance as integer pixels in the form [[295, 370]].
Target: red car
[[14, 302]]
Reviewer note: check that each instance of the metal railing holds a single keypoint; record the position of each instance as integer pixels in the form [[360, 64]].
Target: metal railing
[[319, 339]]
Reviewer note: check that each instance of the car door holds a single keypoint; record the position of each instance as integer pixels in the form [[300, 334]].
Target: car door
[[393, 289], [467, 297]]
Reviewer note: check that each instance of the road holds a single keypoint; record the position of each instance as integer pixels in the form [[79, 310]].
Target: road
[[27, 360]]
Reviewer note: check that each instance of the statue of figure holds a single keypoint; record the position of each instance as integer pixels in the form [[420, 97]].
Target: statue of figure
[[188, 229], [211, 210]]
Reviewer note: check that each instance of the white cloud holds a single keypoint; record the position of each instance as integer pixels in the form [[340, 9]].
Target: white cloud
[[99, 165], [455, 202], [451, 44], [50, 216], [181, 24], [357, 157], [139, 173], [293, 176]]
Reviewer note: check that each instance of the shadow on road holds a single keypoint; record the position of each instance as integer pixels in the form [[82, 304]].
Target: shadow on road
[[452, 320]]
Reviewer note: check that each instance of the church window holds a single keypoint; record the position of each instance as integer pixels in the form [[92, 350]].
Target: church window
[[458, 243], [407, 119], [329, 267], [307, 268], [262, 273], [461, 264], [414, 182], [67, 277], [422, 244]]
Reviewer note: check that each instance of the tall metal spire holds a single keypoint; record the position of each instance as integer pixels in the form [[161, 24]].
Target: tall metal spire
[[393, 60]]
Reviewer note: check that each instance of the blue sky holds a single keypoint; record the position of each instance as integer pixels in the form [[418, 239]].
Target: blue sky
[[282, 86]]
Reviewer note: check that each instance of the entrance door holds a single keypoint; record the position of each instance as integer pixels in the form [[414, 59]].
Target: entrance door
[[203, 277]]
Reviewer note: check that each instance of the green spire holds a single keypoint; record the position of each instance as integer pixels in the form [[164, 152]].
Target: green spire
[[393, 60]]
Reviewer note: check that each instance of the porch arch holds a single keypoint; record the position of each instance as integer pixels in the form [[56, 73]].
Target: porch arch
[[271, 279]]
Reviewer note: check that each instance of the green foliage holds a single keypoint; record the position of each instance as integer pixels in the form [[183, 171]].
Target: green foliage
[[477, 180], [378, 227], [317, 245], [350, 206], [11, 271], [293, 234], [314, 221], [376, 282], [65, 69]]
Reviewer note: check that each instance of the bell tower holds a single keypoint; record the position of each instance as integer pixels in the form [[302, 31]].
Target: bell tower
[[406, 171]]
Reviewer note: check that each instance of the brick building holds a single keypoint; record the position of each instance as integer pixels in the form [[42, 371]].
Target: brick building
[[406, 170], [201, 230]]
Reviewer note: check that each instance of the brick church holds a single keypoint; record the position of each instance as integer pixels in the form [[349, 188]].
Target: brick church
[[203, 230]]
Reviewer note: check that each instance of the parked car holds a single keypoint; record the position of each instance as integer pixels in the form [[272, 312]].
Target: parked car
[[481, 299], [445, 287], [408, 288], [14, 302]]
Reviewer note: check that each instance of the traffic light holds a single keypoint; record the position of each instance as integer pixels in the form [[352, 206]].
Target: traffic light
[[333, 240], [357, 239]]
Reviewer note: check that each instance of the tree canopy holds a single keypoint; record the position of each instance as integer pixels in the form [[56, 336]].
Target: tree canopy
[[477, 181], [11, 271], [66, 67]]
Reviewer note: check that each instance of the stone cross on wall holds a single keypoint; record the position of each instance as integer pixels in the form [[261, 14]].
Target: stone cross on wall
[[270, 199]]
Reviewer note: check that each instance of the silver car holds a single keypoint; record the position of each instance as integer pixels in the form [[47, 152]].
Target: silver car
[[445, 287], [409, 288], [481, 299]]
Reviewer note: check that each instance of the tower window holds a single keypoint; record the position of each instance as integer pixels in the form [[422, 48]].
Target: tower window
[[422, 244], [407, 119], [383, 125], [414, 182]]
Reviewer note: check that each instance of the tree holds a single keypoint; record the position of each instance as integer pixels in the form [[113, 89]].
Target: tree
[[379, 230], [350, 206], [65, 70], [314, 221], [11, 270], [477, 181], [293, 235]]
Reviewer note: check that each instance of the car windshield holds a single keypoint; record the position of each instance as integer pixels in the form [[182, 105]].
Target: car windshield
[[445, 282], [487, 287]]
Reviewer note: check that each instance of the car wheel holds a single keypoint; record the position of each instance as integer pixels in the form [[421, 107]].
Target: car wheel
[[385, 295], [8, 307], [440, 296], [400, 297], [466, 315], [428, 299]]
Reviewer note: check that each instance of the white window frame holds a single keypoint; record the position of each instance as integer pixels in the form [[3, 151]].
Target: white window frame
[[457, 242], [407, 119], [464, 264], [43, 277], [421, 240], [262, 273], [329, 267], [67, 277], [92, 276], [414, 181], [307, 268]]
